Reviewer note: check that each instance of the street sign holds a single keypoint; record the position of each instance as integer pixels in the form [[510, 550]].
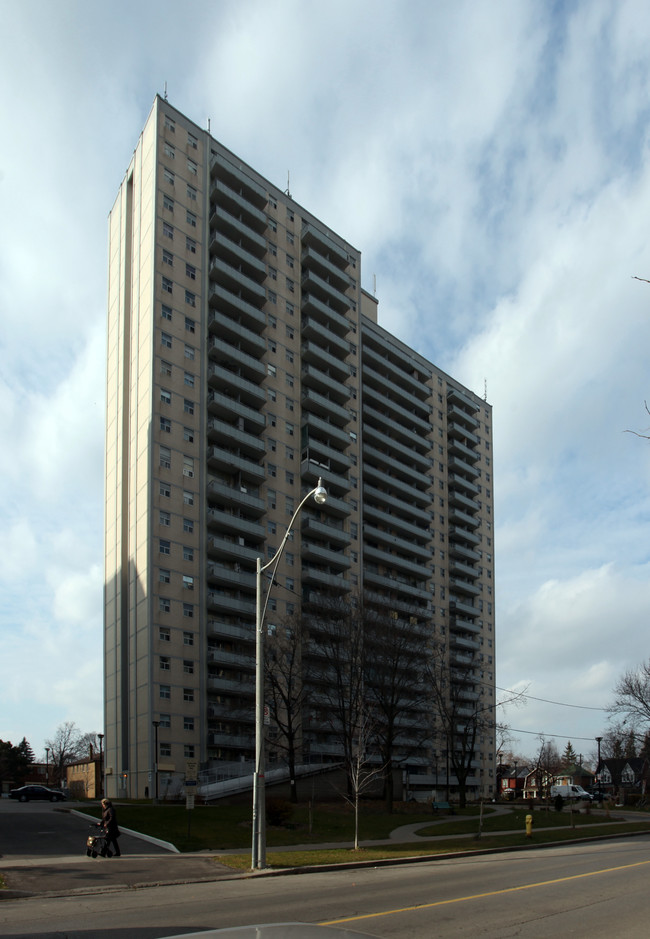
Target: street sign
[[189, 803]]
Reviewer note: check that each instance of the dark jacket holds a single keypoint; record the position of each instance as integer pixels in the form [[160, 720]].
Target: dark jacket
[[109, 821]]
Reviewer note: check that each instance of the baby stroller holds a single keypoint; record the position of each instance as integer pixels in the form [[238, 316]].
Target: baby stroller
[[96, 843]]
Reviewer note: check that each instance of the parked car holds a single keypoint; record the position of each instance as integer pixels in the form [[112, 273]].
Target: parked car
[[29, 793], [570, 793], [599, 795]]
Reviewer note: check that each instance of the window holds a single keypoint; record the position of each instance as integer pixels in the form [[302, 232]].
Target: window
[[289, 380], [289, 331], [165, 720], [164, 546], [188, 751], [169, 124], [289, 404], [289, 428], [167, 285], [169, 176], [190, 298], [165, 749], [190, 324], [188, 525], [289, 261], [188, 666], [189, 352], [273, 202], [188, 723], [165, 518], [188, 553], [169, 151], [273, 225], [165, 457], [168, 257], [192, 141], [272, 469], [191, 219], [291, 287], [164, 576], [168, 230], [168, 203], [188, 406], [188, 434], [190, 244], [188, 609], [272, 296], [165, 691], [164, 663], [188, 694], [189, 379], [165, 368], [165, 396], [290, 308], [166, 340], [188, 582], [188, 497], [164, 605], [289, 559], [290, 215], [271, 498], [188, 639], [165, 425], [290, 238], [271, 369], [273, 251], [192, 167], [190, 271], [165, 490], [166, 312], [288, 354], [289, 477], [273, 274], [191, 193], [272, 528]]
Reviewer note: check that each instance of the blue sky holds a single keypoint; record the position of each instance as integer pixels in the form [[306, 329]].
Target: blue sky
[[490, 160]]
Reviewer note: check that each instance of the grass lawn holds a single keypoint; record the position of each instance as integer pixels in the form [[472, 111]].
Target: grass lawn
[[228, 828]]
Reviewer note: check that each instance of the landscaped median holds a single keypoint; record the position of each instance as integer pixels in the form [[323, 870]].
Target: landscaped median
[[222, 828]]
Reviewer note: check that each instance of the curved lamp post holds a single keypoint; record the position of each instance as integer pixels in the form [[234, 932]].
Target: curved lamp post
[[258, 853]]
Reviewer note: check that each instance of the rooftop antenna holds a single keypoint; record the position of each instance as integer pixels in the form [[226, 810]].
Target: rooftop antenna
[[165, 91], [374, 285], [208, 125], [288, 190], [485, 389]]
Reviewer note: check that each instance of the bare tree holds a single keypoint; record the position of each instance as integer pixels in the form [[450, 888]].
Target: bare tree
[[546, 765], [335, 674], [632, 695], [396, 669], [361, 772], [460, 720], [64, 749], [285, 691], [646, 435]]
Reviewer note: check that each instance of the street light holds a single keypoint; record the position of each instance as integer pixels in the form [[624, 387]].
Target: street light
[[156, 725], [258, 852], [597, 775], [101, 766], [47, 766]]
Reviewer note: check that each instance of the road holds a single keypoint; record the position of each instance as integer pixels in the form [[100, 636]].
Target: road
[[596, 890]]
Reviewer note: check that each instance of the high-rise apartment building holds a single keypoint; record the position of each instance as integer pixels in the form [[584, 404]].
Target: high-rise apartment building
[[245, 362]]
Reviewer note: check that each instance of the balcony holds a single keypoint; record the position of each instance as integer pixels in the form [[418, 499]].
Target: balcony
[[218, 685], [377, 438], [320, 452], [231, 630], [233, 333], [237, 281], [231, 437], [239, 496], [460, 606], [373, 513], [219, 459], [403, 489], [219, 602], [397, 562], [463, 400], [388, 537], [221, 166], [459, 449], [319, 310], [222, 221], [232, 550], [414, 422], [227, 575], [237, 204], [239, 257], [226, 521], [225, 406], [247, 391], [324, 382], [321, 404], [313, 528], [228, 302], [328, 362], [325, 245], [318, 331], [455, 413]]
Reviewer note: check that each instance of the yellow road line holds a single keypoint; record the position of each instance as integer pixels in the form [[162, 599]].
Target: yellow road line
[[479, 896]]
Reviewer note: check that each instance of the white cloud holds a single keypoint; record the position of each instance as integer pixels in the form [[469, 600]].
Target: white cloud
[[490, 163]]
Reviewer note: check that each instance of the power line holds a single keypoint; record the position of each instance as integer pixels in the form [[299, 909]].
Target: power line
[[540, 733], [561, 704]]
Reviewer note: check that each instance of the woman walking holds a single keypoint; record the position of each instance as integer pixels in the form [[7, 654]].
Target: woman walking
[[109, 824]]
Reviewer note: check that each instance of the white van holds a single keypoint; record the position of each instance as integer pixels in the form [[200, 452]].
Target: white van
[[570, 792]]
